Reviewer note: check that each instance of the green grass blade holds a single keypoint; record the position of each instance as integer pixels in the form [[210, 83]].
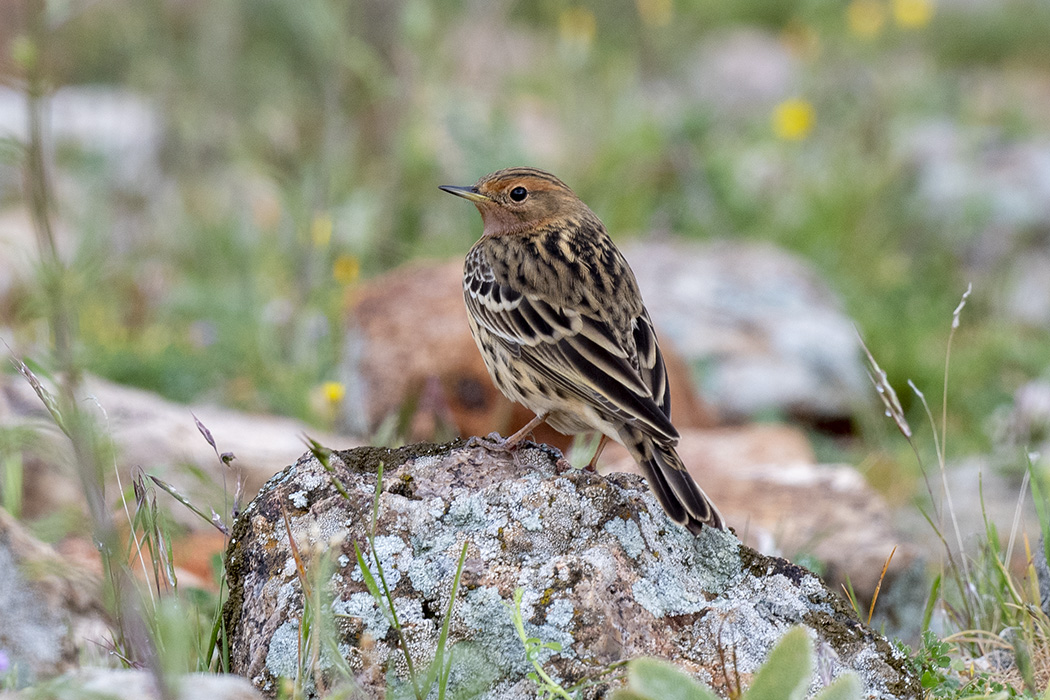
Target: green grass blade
[[1040, 505], [213, 640], [444, 668], [174, 493], [370, 582], [931, 602]]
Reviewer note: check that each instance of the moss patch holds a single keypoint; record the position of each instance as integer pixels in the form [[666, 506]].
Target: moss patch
[[366, 460]]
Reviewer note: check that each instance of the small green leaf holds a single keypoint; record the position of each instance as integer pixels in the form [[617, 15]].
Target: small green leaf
[[785, 674], [370, 583], [845, 687], [931, 602], [651, 679]]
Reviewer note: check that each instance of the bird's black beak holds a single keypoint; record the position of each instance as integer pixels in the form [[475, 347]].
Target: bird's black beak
[[470, 193]]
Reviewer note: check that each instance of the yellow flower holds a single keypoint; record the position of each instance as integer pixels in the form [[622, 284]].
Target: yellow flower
[[655, 13], [333, 392], [321, 230], [866, 18], [793, 119], [346, 269], [912, 14]]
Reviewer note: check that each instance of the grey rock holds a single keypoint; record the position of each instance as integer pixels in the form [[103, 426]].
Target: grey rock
[[156, 435], [121, 684], [604, 573], [1027, 296], [967, 174], [766, 482], [51, 615], [1042, 571], [1025, 422], [973, 492], [121, 127], [763, 330]]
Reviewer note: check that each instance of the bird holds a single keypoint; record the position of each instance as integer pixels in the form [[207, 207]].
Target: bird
[[556, 313]]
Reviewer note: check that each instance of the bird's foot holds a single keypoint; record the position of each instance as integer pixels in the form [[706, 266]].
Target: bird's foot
[[494, 442]]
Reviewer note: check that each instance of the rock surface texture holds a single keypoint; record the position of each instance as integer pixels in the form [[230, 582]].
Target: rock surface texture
[[604, 573], [51, 613]]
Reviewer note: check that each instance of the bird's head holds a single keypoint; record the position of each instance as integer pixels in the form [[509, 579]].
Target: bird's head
[[518, 200]]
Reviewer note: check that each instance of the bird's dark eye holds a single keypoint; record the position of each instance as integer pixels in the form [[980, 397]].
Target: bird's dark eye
[[518, 194]]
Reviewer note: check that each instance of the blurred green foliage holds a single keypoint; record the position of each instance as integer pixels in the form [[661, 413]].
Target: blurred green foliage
[[302, 142]]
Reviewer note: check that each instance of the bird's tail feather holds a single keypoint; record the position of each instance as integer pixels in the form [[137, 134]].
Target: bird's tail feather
[[684, 500]]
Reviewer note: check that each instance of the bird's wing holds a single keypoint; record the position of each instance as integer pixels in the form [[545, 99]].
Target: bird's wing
[[651, 362], [577, 351]]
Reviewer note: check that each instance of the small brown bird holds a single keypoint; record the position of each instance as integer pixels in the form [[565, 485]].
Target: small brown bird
[[556, 313]]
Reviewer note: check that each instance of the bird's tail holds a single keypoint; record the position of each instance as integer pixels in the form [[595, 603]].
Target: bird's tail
[[685, 502]]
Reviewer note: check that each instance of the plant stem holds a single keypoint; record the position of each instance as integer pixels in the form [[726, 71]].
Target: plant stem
[[38, 190], [130, 630]]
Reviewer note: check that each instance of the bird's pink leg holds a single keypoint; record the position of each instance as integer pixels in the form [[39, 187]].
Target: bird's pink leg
[[525, 430], [593, 464]]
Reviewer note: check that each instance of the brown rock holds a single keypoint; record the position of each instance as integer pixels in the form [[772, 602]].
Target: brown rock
[[412, 347]]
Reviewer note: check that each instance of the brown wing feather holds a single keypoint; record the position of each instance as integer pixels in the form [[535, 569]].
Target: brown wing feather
[[651, 362]]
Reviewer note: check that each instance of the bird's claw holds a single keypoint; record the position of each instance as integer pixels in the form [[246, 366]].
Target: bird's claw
[[494, 442]]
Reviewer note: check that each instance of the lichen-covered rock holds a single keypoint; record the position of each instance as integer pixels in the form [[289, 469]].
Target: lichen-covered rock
[[766, 481], [604, 573]]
